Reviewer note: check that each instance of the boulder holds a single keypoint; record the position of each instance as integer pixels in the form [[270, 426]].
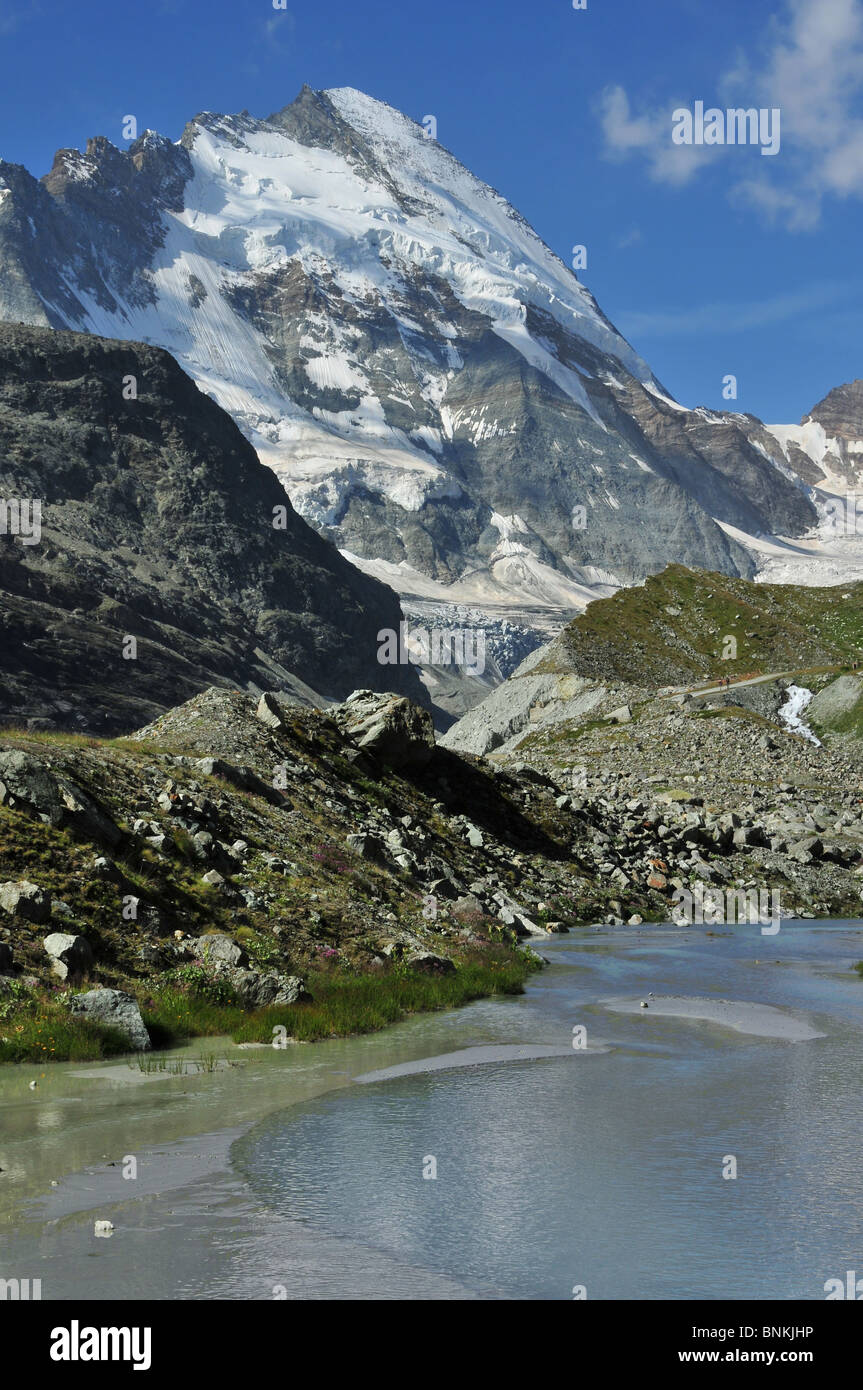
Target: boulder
[[6, 961], [269, 712], [71, 956], [622, 715], [22, 899], [106, 868], [749, 836], [365, 845], [218, 950], [427, 963], [807, 850], [398, 732], [257, 990], [32, 786], [117, 1010], [245, 778]]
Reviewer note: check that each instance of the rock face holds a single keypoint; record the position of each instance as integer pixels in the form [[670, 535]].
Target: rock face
[[529, 696], [826, 448], [509, 434], [168, 560], [29, 784], [71, 956], [115, 1009], [395, 730], [840, 412]]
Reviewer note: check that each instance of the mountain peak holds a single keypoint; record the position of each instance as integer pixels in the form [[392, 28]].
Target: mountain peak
[[438, 393], [840, 412]]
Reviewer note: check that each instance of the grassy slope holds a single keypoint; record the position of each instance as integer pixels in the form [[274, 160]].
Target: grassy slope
[[631, 637]]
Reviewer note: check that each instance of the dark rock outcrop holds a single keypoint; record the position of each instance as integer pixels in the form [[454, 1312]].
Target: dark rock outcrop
[[157, 524]]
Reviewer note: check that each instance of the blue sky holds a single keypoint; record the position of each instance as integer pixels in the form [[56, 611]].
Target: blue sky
[[712, 261]]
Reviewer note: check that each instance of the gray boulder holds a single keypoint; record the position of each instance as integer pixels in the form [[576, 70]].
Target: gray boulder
[[117, 1010], [365, 845], [398, 732], [257, 990], [71, 956], [750, 836], [269, 712], [427, 963], [621, 715], [217, 950], [22, 899], [807, 850]]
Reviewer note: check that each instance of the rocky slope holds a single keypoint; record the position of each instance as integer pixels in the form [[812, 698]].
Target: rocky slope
[[435, 388], [255, 844], [679, 628], [254, 841], [157, 523]]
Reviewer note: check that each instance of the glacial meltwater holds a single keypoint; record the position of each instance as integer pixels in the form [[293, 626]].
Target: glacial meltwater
[[564, 1142]]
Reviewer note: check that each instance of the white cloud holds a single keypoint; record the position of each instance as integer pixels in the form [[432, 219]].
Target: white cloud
[[651, 135], [810, 66]]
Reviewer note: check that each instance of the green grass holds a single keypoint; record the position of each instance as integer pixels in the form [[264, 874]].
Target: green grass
[[366, 1004], [858, 966], [49, 737], [38, 1028], [733, 712], [848, 721]]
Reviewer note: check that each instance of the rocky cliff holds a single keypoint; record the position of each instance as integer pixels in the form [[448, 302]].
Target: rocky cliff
[[158, 524]]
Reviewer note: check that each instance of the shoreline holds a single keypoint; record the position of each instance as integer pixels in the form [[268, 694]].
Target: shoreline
[[82, 1118], [188, 1200]]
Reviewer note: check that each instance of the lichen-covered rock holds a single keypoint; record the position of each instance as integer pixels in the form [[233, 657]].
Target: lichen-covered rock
[[427, 963], [269, 712], [257, 990], [217, 950]]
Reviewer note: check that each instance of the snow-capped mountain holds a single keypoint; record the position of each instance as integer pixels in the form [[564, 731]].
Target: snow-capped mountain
[[825, 450], [434, 387]]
